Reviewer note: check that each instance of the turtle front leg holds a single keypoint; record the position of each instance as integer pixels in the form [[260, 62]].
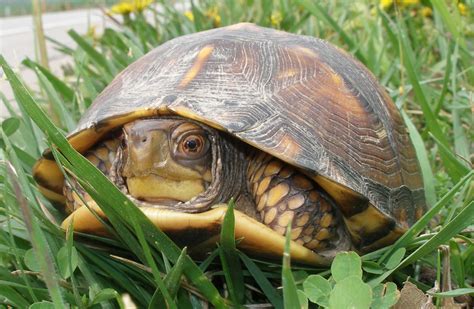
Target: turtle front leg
[[282, 195]]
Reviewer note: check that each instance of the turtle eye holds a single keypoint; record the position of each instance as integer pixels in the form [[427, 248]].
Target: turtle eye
[[193, 145]]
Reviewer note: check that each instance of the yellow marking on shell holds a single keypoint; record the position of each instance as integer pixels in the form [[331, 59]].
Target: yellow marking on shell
[[287, 73], [338, 81], [289, 147], [296, 201], [197, 66], [322, 234], [277, 193], [301, 221], [295, 233], [270, 216], [326, 220], [285, 218], [313, 244], [302, 182], [307, 239], [306, 51], [273, 168], [300, 241], [262, 202], [263, 185], [381, 133]]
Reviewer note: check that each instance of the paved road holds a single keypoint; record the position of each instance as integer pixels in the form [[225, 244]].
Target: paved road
[[17, 41]]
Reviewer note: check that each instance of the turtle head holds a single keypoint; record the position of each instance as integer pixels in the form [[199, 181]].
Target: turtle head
[[165, 160]]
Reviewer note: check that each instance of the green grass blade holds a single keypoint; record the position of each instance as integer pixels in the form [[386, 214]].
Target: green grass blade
[[60, 86], [13, 297], [270, 292], [172, 282], [96, 57], [230, 259], [64, 116], [422, 155], [39, 242], [290, 294], [454, 26], [432, 122]]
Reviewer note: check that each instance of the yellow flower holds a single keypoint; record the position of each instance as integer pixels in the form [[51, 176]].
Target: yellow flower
[[126, 7], [463, 9], [276, 18], [385, 4], [122, 8], [140, 5], [407, 2], [426, 11], [189, 15], [213, 14]]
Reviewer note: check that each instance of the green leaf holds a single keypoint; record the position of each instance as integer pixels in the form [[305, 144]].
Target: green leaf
[[10, 125], [454, 293], [31, 261], [104, 295], [302, 299], [67, 262], [317, 289], [346, 264], [290, 296], [230, 259], [385, 296], [42, 305], [372, 267], [351, 292], [395, 258]]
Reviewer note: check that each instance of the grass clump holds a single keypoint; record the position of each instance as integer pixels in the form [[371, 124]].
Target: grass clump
[[424, 61]]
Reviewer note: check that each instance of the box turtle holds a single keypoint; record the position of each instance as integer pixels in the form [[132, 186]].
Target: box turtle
[[293, 128]]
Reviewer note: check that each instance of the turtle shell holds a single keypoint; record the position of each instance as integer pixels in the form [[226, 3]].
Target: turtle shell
[[295, 97]]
